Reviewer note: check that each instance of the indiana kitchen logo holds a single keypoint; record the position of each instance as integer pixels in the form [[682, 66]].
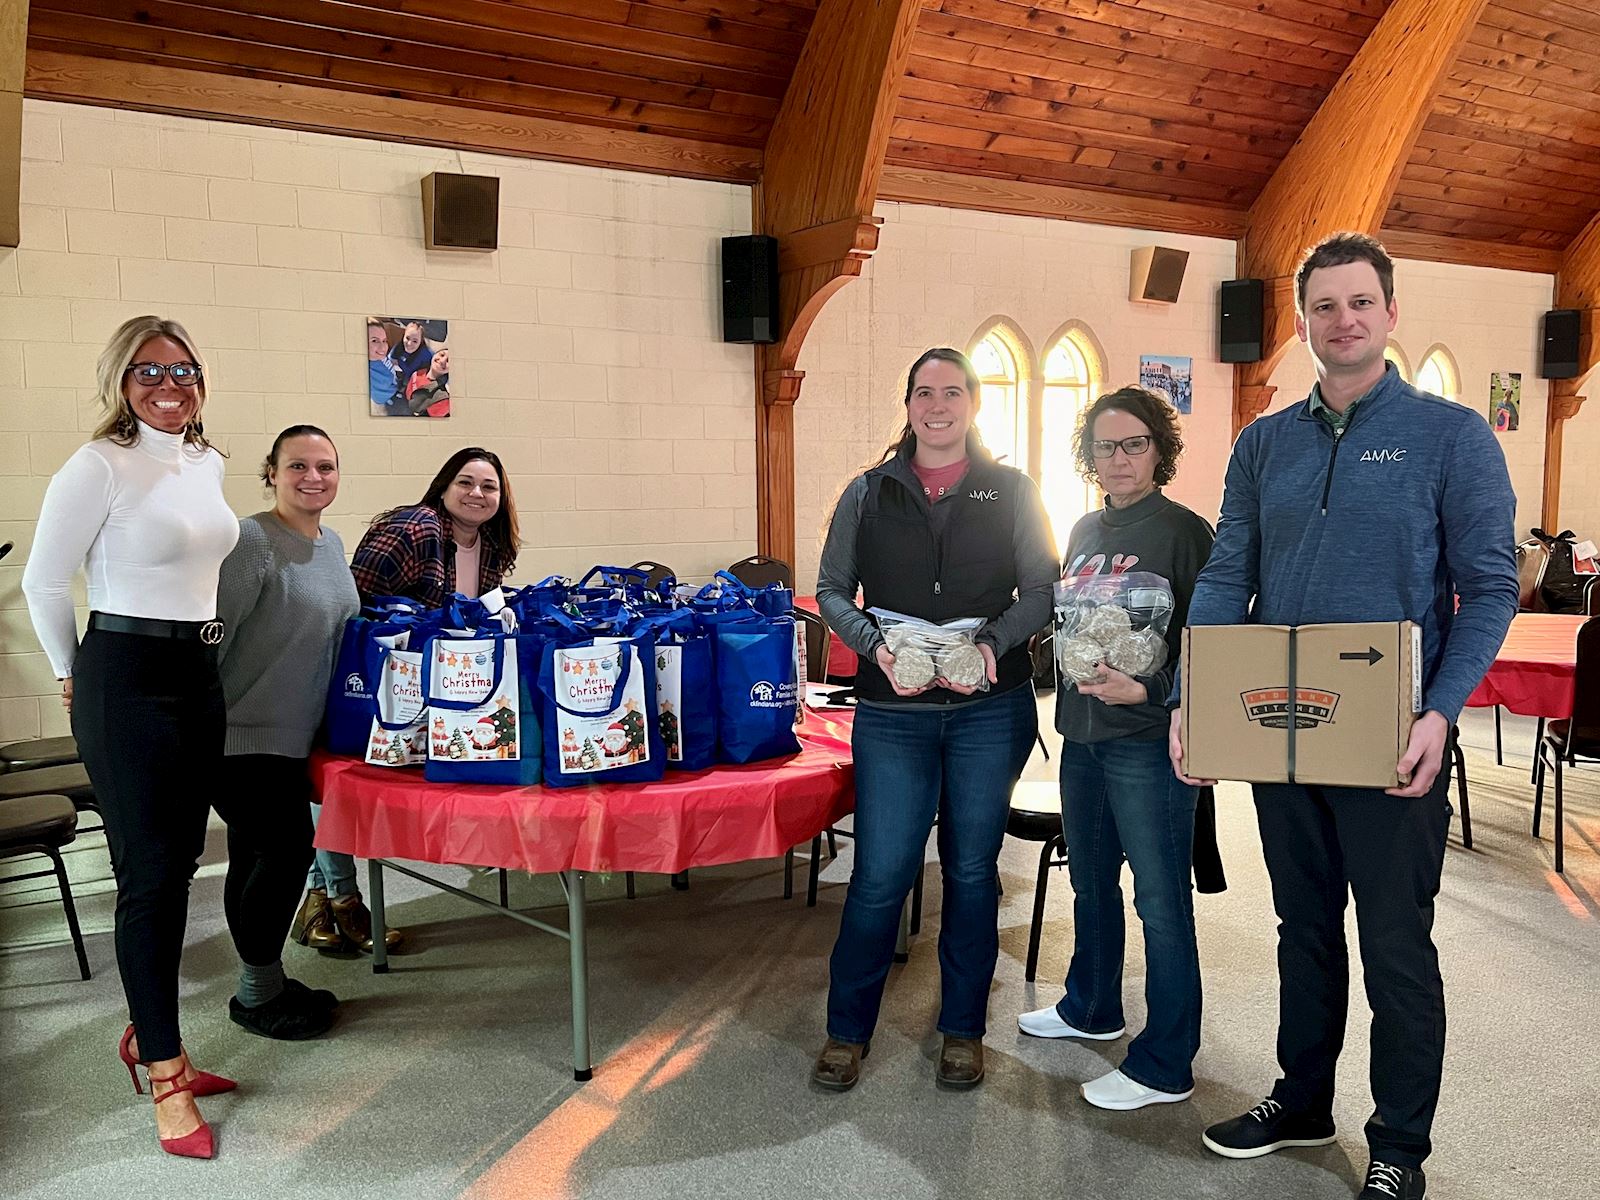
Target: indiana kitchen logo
[[1269, 707]]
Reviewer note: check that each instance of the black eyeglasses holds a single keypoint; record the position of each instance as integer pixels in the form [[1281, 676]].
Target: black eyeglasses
[[1131, 446], [184, 374]]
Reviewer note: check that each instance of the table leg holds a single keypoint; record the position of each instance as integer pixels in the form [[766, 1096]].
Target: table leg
[[380, 947], [582, 1068]]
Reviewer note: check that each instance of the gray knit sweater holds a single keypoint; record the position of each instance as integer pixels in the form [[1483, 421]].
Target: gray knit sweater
[[284, 600]]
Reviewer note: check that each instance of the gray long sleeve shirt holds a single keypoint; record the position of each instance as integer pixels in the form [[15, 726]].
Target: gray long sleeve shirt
[[283, 599]]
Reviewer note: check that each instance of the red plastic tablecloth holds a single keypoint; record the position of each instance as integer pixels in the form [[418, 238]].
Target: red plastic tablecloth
[[841, 659], [1533, 673], [689, 819]]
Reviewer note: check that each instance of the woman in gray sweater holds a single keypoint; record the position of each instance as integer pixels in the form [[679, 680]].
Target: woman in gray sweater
[[285, 594]]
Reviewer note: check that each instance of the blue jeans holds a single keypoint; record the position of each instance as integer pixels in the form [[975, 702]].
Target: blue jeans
[[333, 872], [960, 763], [1121, 798]]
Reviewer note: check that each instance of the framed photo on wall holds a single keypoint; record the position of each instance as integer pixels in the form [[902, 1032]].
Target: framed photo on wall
[[408, 366]]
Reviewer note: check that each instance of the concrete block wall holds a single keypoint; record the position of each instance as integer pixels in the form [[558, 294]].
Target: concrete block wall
[[586, 350]]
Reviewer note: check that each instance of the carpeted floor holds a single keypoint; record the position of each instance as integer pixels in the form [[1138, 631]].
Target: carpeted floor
[[451, 1077]]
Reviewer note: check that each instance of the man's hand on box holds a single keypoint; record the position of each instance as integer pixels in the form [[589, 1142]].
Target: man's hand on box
[[1424, 755], [1175, 752], [1111, 686]]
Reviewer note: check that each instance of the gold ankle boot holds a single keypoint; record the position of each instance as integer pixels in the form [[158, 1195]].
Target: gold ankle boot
[[314, 925], [354, 920]]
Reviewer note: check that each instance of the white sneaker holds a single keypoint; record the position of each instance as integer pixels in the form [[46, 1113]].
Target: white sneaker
[[1047, 1023], [1117, 1091]]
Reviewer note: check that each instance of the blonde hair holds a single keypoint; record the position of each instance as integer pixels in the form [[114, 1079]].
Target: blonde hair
[[120, 424]]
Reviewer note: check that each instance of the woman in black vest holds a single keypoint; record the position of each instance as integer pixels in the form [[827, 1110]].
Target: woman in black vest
[[935, 529]]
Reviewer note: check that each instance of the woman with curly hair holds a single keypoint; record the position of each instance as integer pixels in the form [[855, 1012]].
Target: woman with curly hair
[[1119, 796]]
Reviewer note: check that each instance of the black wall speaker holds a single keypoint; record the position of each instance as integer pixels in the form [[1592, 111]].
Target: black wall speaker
[[460, 212], [1239, 320], [1156, 274], [1560, 357], [750, 289]]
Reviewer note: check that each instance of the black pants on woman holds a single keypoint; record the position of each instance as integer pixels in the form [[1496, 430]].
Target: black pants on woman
[[264, 798], [150, 720]]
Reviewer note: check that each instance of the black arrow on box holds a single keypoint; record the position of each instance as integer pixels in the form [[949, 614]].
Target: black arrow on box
[[1372, 654]]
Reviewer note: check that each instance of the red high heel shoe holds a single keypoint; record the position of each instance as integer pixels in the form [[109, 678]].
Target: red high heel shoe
[[204, 1083], [197, 1143]]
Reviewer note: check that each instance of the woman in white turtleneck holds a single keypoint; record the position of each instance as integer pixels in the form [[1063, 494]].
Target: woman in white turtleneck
[[140, 508]]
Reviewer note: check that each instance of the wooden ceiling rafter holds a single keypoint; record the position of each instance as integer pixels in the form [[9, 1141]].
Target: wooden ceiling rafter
[[1372, 117], [819, 184]]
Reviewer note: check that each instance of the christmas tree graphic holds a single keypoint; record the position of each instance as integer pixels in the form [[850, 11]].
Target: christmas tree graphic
[[588, 757], [632, 722], [458, 745], [669, 731], [505, 727]]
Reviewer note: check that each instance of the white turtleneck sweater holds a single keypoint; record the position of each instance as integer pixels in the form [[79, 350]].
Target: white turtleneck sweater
[[147, 523]]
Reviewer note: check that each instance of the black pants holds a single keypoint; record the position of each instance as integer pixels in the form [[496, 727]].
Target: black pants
[[265, 800], [1322, 845], [150, 720]]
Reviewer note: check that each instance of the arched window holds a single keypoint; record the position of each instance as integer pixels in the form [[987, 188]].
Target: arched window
[[1438, 374], [1397, 356], [1002, 416], [1072, 378]]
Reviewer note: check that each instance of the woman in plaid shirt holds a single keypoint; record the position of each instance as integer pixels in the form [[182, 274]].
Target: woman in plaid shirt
[[461, 536]]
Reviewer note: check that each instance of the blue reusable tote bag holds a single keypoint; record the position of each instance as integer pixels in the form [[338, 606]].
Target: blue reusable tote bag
[[352, 689], [686, 696], [597, 704], [483, 716], [757, 689]]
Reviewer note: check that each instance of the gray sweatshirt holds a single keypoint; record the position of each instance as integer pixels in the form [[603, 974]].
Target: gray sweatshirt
[[283, 600]]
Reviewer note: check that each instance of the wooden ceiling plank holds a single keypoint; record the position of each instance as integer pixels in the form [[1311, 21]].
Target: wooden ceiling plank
[[914, 185], [226, 60], [1133, 90], [935, 154], [1489, 230], [1174, 20], [1170, 61], [135, 42], [1467, 252], [1446, 119], [1292, 24], [139, 85], [712, 27], [1563, 222], [369, 33], [1490, 190], [795, 18]]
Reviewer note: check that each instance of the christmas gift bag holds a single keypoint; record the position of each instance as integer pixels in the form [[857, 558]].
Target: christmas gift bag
[[774, 600], [399, 735], [757, 689], [686, 704], [352, 690], [596, 707], [483, 724]]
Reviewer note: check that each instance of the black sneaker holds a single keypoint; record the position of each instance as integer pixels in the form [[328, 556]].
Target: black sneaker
[[1388, 1182], [318, 998], [286, 1017], [1265, 1128]]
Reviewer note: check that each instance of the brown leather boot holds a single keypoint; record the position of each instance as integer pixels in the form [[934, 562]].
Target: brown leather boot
[[838, 1066], [960, 1063], [313, 924], [354, 920]]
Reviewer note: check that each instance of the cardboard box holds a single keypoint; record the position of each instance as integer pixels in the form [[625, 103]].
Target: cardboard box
[[1358, 689]]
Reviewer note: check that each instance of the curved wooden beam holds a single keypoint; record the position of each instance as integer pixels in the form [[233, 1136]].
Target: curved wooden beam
[[819, 181], [1342, 172]]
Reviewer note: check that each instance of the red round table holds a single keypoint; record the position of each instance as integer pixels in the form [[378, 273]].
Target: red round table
[[689, 819], [1533, 673]]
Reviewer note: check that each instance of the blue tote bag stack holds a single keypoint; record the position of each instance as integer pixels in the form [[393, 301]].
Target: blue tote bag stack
[[757, 687], [597, 705], [686, 698], [483, 715]]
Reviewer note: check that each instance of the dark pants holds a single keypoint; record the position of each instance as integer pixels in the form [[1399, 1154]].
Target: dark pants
[[960, 763], [1121, 798], [264, 798], [1322, 845], [149, 718]]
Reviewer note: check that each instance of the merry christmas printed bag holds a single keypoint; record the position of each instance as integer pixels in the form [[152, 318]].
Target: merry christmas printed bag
[[597, 707], [483, 718], [399, 734], [686, 700]]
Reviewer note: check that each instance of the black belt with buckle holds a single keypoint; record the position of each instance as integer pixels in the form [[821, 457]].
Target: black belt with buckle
[[206, 632]]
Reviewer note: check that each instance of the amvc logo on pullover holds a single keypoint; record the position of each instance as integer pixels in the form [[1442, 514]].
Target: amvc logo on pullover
[[985, 494], [1394, 454]]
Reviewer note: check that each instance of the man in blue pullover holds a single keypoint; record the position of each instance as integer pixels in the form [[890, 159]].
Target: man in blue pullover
[[1371, 501]]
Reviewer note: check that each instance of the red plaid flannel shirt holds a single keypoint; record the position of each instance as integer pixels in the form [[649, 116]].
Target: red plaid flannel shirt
[[412, 554]]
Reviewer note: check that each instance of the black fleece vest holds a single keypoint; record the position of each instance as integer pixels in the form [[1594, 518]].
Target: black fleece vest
[[966, 569]]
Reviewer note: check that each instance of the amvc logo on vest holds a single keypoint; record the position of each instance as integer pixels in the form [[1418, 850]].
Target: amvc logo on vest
[[984, 494], [1394, 454]]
